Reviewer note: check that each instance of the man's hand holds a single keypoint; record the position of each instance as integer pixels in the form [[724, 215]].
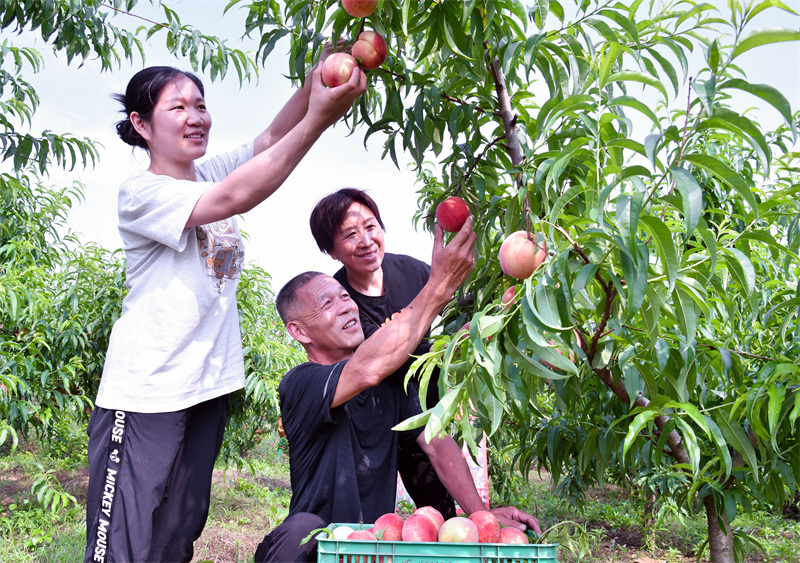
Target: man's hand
[[452, 264], [511, 516]]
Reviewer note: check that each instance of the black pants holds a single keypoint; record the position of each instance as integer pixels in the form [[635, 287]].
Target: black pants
[[415, 468], [283, 543], [150, 481]]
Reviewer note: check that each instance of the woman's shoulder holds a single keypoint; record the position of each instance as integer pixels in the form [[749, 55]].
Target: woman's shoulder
[[405, 264]]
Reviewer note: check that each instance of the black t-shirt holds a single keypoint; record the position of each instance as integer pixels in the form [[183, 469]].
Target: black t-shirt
[[343, 461], [403, 278]]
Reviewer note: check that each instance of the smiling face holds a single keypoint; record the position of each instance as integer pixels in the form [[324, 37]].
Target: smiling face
[[177, 132], [359, 243], [326, 321]]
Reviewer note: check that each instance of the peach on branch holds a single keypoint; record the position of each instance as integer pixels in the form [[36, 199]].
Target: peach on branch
[[337, 69], [370, 50], [521, 253], [508, 298], [451, 214], [359, 8], [458, 530]]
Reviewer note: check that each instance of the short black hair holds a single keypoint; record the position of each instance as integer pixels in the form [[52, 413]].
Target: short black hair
[[329, 214], [287, 296]]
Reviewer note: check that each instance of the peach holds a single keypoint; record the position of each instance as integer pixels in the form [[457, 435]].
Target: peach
[[451, 213], [458, 530], [488, 526], [341, 532], [420, 528], [370, 50], [435, 516], [359, 8], [511, 535], [520, 254], [365, 535], [508, 298], [392, 526], [337, 69]]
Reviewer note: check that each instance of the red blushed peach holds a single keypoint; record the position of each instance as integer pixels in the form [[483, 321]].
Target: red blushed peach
[[488, 526], [508, 298], [459, 530], [520, 254], [511, 535], [359, 8], [370, 50], [362, 535], [337, 69], [435, 516], [451, 214], [419, 527], [392, 526]]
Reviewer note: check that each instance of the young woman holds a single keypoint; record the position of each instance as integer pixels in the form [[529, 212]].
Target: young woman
[[175, 352], [347, 226]]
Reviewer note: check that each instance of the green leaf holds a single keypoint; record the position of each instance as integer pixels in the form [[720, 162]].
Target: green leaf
[[629, 75], [629, 207], [765, 37], [692, 196], [686, 312], [737, 439], [607, 65], [767, 93], [741, 267], [726, 174], [665, 246], [639, 421]]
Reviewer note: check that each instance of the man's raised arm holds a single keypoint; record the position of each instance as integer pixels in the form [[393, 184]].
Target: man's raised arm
[[386, 350]]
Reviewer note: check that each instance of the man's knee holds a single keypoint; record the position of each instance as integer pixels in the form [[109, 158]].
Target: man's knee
[[283, 543]]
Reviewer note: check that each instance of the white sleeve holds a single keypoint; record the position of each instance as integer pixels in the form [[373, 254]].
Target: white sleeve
[[156, 208]]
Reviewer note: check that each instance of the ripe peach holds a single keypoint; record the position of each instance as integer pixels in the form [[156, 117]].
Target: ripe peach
[[392, 526], [508, 298], [337, 69], [419, 527], [359, 8], [451, 213], [435, 516], [488, 526], [459, 530], [370, 50], [511, 535], [520, 254], [341, 532], [362, 535]]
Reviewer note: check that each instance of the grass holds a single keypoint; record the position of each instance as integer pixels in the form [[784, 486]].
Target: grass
[[246, 505]]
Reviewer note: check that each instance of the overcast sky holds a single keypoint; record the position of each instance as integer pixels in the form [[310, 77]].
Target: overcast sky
[[78, 101]]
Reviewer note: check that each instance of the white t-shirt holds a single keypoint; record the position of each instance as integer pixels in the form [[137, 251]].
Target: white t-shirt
[[177, 342]]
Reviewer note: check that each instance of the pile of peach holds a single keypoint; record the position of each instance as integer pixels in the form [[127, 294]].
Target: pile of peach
[[426, 524]]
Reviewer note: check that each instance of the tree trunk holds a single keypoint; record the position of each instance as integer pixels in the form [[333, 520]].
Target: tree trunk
[[720, 538]]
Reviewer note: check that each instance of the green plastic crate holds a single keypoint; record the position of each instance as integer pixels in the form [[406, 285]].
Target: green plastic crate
[[330, 550]]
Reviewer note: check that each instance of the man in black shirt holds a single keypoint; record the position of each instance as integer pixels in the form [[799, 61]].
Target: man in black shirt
[[338, 409]]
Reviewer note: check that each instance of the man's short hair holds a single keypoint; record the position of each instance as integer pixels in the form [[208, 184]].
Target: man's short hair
[[287, 296], [329, 214]]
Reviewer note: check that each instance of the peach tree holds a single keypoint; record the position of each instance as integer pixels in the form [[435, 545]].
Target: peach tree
[[658, 342]]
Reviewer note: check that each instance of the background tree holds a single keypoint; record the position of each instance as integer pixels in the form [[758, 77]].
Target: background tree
[[669, 217]]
